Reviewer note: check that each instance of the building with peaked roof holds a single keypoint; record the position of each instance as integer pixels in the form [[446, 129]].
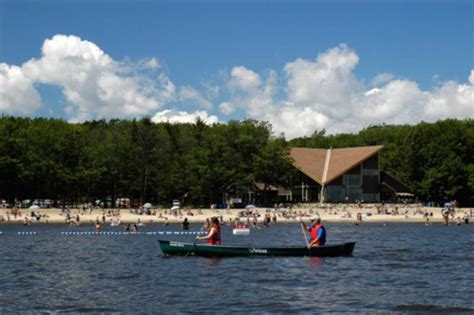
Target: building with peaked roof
[[333, 176], [340, 175]]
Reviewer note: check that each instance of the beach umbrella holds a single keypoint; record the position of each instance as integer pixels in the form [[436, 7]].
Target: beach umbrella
[[147, 205], [34, 207], [174, 207], [250, 207]]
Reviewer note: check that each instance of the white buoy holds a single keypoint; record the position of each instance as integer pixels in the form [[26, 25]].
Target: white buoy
[[241, 231]]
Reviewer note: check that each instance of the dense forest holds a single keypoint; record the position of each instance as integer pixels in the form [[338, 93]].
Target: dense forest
[[200, 164]]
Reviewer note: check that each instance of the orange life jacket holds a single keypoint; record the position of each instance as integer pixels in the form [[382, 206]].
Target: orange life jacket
[[315, 232]]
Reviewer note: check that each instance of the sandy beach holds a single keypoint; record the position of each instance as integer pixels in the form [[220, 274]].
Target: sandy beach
[[328, 213]]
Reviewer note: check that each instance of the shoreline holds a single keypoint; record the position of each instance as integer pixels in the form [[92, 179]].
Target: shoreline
[[195, 216]]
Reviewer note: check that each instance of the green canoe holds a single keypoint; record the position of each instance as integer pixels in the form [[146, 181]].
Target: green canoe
[[178, 248]]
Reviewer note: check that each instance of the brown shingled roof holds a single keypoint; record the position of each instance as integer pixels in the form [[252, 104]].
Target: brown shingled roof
[[311, 161]]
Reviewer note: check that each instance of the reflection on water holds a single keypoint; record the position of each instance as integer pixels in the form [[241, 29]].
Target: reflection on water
[[396, 268], [212, 262], [315, 263]]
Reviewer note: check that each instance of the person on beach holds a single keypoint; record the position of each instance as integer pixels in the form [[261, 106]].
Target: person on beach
[[445, 213], [27, 221], [427, 222], [255, 222], [266, 220], [274, 218], [317, 232], [214, 235]]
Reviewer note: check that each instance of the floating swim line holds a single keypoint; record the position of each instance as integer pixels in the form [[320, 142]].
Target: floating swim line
[[136, 233], [116, 233]]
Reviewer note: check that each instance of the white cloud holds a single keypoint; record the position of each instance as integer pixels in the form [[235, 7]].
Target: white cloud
[[17, 94], [325, 93], [226, 108], [382, 78], [327, 83], [250, 92], [211, 90], [310, 95], [94, 84], [149, 63], [316, 91], [244, 80], [177, 117], [190, 94], [295, 121], [451, 100], [388, 103]]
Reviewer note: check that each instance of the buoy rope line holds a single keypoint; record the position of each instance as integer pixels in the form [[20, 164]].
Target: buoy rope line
[[74, 233]]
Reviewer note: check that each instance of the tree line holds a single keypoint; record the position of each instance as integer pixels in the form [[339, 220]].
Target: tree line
[[195, 163], [436, 160], [201, 164]]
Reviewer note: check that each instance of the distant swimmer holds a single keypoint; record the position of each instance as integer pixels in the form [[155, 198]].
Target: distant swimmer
[[98, 227], [317, 232], [214, 235], [185, 224]]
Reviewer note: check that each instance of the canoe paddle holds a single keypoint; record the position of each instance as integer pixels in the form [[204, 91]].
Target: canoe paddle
[[304, 233]]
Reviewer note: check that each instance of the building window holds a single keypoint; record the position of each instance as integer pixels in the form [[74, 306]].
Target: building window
[[334, 194], [371, 198], [352, 180], [370, 172], [354, 193]]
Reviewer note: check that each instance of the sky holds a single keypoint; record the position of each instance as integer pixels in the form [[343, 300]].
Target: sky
[[302, 66]]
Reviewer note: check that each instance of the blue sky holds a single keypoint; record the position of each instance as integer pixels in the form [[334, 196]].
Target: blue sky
[[424, 49]]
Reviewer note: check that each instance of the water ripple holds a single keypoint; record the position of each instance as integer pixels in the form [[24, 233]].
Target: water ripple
[[399, 268], [432, 308]]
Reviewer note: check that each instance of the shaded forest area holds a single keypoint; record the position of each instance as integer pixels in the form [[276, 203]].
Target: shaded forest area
[[200, 164]]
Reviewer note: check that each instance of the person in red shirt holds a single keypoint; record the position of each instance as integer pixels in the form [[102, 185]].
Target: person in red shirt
[[214, 235], [317, 232]]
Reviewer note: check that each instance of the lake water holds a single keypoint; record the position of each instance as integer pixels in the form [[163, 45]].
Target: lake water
[[399, 268]]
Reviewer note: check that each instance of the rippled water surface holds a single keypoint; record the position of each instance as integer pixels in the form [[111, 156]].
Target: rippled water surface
[[399, 268]]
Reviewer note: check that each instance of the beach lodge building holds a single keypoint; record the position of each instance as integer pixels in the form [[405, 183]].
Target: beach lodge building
[[343, 175], [337, 175]]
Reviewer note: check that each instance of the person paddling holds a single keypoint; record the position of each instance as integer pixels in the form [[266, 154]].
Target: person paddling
[[317, 232], [214, 234]]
